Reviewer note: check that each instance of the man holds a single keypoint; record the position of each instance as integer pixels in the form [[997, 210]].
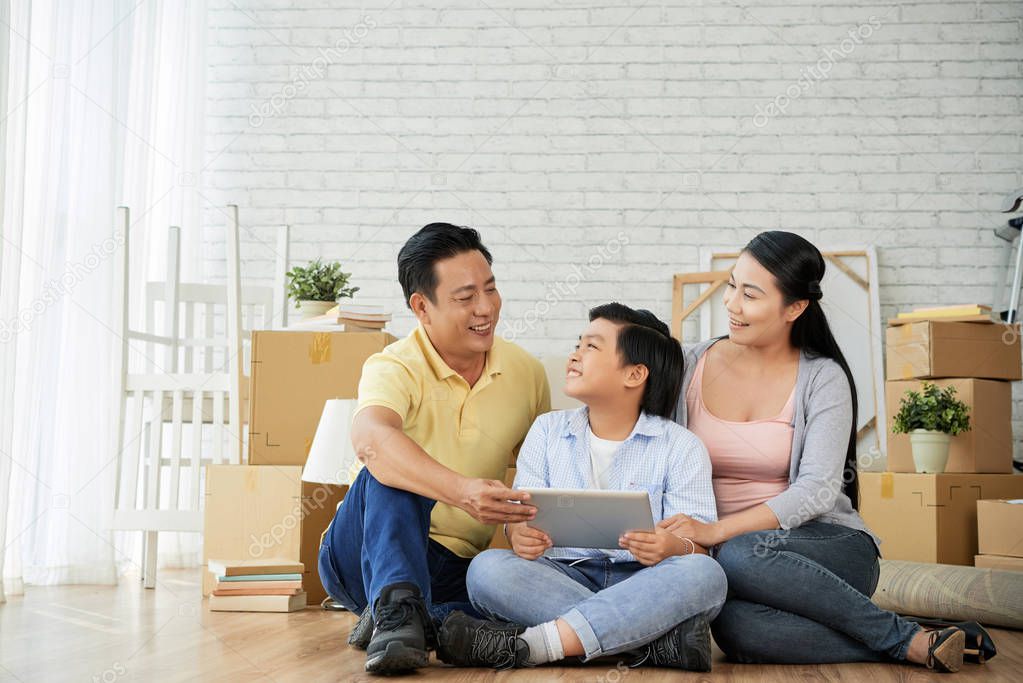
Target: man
[[439, 417]]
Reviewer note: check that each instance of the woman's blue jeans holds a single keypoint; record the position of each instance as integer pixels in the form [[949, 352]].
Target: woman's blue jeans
[[802, 596]]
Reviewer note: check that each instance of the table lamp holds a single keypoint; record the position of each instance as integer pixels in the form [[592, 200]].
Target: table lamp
[[331, 455]]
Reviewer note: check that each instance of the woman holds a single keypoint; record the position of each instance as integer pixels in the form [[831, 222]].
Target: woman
[[775, 404]]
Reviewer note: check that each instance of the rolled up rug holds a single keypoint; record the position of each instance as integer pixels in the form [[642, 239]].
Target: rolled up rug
[[951, 593]]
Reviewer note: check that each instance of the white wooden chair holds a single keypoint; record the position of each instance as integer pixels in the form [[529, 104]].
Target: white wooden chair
[[190, 385]]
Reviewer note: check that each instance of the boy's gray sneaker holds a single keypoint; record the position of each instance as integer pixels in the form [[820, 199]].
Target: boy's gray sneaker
[[687, 646], [467, 641]]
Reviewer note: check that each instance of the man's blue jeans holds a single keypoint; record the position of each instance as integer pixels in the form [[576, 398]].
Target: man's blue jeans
[[802, 596], [612, 607], [380, 536]]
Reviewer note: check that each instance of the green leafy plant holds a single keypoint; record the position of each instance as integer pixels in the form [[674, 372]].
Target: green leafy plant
[[319, 282], [933, 409]]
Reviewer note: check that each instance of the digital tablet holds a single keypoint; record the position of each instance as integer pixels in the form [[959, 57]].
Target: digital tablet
[[589, 518]]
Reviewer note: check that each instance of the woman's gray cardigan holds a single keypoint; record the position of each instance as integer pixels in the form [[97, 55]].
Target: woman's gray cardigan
[[821, 422]]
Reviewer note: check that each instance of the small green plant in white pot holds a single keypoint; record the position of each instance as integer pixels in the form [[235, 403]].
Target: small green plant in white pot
[[931, 418], [318, 287]]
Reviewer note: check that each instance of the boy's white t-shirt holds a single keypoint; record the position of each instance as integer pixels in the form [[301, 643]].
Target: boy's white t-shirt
[[602, 453]]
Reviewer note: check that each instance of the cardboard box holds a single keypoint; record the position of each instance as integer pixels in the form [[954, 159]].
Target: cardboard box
[[930, 517], [1008, 564], [987, 447], [1000, 528], [254, 512], [293, 374], [945, 349]]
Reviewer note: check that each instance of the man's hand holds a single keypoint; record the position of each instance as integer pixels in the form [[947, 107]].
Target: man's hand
[[487, 501], [527, 542], [650, 547]]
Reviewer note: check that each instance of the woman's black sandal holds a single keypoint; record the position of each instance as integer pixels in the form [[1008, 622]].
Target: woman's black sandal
[[979, 645], [945, 650]]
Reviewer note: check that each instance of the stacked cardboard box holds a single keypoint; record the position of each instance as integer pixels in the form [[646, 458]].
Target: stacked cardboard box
[[264, 509], [929, 517], [293, 374], [1000, 534], [933, 517], [255, 511], [979, 360]]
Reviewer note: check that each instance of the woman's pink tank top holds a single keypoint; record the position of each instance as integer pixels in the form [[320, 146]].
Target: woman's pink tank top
[[750, 460]]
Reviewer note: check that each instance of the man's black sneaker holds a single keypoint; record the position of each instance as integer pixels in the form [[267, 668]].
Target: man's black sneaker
[[687, 646], [362, 631], [402, 629], [465, 641]]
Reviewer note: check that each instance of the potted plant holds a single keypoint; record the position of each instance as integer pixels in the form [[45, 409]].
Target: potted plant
[[931, 418], [318, 286]]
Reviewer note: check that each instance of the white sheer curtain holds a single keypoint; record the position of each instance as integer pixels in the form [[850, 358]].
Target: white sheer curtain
[[102, 104]]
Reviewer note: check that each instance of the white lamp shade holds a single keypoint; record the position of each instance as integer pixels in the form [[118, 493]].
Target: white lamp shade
[[331, 455]]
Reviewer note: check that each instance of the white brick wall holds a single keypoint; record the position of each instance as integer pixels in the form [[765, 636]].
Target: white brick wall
[[555, 125]]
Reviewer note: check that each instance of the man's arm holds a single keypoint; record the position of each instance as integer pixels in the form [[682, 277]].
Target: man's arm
[[397, 461]]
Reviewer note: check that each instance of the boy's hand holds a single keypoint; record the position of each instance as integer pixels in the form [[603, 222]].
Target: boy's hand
[[527, 542], [650, 547]]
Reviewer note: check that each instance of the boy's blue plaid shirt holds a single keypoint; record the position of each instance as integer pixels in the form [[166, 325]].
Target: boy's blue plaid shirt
[[660, 457]]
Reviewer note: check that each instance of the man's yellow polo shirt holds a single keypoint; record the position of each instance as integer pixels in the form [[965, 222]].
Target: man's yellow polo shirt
[[473, 431]]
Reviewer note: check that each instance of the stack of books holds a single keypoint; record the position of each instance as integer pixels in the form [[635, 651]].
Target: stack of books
[[362, 318], [257, 586], [979, 313]]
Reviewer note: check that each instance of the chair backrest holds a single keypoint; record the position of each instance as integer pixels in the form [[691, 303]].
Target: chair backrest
[[195, 319], [197, 335], [182, 383]]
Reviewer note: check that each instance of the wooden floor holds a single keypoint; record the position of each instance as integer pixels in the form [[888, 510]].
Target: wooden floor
[[107, 634]]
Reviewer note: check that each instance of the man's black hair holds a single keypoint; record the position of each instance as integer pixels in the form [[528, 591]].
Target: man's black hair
[[434, 242]]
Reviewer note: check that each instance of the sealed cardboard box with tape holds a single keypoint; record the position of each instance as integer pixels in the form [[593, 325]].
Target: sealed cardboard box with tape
[[1000, 527], [929, 517], [953, 349], [999, 562], [294, 373], [254, 512], [987, 447]]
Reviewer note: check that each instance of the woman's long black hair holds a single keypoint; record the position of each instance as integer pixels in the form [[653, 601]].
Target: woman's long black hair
[[798, 267]]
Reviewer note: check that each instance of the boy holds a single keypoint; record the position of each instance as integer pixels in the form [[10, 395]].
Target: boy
[[656, 594]]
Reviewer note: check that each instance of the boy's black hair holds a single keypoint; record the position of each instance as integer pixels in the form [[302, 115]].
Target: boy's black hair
[[645, 340], [434, 242]]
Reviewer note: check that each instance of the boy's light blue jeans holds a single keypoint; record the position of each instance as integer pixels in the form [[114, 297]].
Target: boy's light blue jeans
[[612, 607]]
